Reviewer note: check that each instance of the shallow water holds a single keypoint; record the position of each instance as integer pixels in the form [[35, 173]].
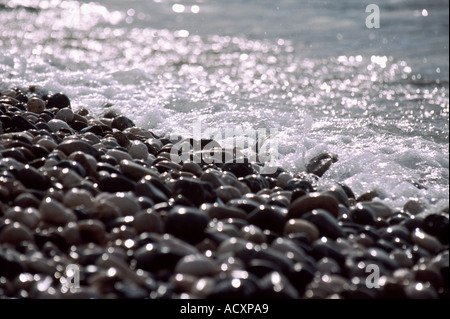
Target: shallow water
[[379, 98]]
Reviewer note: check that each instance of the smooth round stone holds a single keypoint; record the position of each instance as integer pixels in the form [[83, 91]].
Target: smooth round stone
[[313, 201], [212, 177], [78, 197], [276, 286], [71, 234], [253, 234], [32, 178], [116, 183], [105, 211], [298, 225], [379, 208], [197, 265], [193, 168], [138, 149], [56, 125], [21, 123], [87, 162], [15, 233], [367, 197], [153, 257], [73, 166], [437, 225], [268, 217], [255, 182], [58, 100], [126, 203], [187, 223], [148, 189], [283, 179], [295, 184], [35, 105], [197, 192], [362, 215], [25, 200], [239, 167], [65, 114], [426, 241], [413, 206], [71, 146], [106, 167], [280, 201], [148, 221], [325, 223], [48, 143], [68, 178], [337, 192], [319, 164], [29, 217], [396, 231], [92, 230], [222, 212], [119, 155], [55, 213], [252, 251], [121, 123], [227, 193], [135, 171]]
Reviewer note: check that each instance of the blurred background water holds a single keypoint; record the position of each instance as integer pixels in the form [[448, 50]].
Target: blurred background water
[[379, 98]]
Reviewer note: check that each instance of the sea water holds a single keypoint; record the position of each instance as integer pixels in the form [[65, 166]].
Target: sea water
[[311, 70]]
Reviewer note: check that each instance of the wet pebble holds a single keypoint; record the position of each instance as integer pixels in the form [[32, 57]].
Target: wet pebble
[[312, 201], [187, 223], [55, 213]]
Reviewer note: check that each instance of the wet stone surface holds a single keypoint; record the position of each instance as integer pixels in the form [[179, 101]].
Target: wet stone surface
[[105, 195]]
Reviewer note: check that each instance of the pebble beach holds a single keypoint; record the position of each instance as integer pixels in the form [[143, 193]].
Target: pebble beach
[[103, 194]]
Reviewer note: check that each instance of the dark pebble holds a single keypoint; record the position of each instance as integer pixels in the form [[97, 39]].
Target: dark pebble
[[71, 146], [267, 217], [299, 184], [247, 205], [325, 223], [32, 178], [319, 164], [116, 183], [58, 100], [148, 189], [321, 249], [255, 182], [363, 215], [438, 226], [239, 167], [121, 123], [153, 257], [74, 166], [21, 123], [197, 192], [187, 223]]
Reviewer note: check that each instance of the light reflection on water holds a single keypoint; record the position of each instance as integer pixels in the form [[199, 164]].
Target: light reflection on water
[[384, 110]]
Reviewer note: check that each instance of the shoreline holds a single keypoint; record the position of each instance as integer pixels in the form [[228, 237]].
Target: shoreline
[[102, 192]]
